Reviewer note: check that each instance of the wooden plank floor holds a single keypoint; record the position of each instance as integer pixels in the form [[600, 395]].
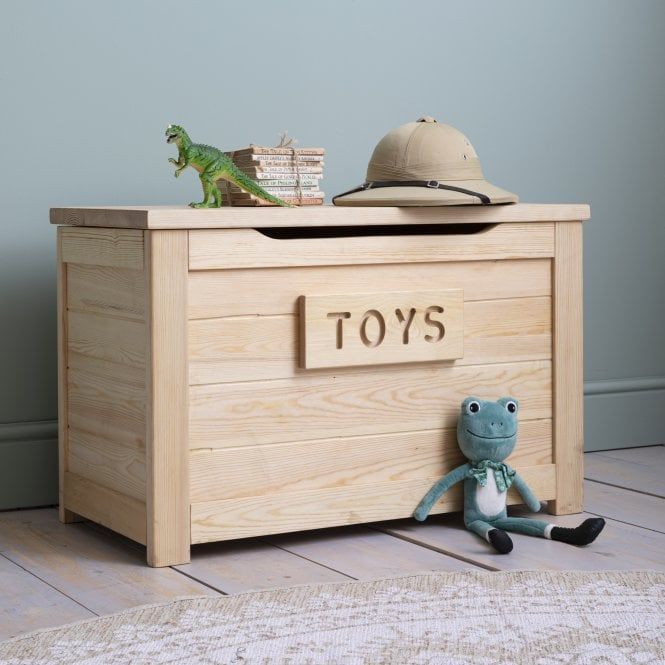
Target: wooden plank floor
[[52, 573]]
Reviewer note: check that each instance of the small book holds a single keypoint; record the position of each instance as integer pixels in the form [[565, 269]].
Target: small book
[[263, 150], [257, 170]]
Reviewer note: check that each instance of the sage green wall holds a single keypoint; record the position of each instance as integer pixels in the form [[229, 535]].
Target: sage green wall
[[563, 101]]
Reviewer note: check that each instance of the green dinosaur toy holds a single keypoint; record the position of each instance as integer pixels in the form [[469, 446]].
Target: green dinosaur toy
[[212, 165], [486, 434]]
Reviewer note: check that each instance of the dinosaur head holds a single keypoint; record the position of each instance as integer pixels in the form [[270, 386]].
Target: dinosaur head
[[487, 430], [175, 134]]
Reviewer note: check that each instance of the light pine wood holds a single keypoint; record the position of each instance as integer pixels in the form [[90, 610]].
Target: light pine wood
[[119, 512], [167, 479], [247, 292], [310, 509], [251, 348], [642, 473], [27, 603], [106, 290], [364, 554], [107, 338], [250, 565], [179, 217], [624, 505], [381, 328], [181, 345], [66, 516], [248, 248], [120, 248], [112, 464], [268, 470], [104, 404], [619, 546], [568, 398], [352, 404], [99, 570]]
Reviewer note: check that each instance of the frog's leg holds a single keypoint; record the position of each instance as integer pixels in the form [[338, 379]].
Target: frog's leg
[[525, 525], [496, 537], [582, 534]]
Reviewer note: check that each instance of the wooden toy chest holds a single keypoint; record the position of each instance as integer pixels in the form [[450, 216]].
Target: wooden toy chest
[[239, 372]]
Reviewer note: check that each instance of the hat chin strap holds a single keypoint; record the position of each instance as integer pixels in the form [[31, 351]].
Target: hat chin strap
[[430, 184]]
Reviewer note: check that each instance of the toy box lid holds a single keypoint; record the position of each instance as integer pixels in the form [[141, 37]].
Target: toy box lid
[[183, 217]]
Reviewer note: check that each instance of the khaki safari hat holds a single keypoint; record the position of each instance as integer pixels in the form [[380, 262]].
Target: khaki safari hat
[[424, 163]]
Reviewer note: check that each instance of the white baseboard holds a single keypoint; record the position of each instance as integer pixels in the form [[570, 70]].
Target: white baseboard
[[624, 413], [28, 464]]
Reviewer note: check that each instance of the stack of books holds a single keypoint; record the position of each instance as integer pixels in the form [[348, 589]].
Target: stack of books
[[291, 174]]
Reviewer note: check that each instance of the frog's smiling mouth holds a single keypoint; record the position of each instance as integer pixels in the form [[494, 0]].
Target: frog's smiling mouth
[[491, 438]]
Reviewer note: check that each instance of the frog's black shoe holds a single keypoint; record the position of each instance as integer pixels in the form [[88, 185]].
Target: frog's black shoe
[[583, 534], [500, 541]]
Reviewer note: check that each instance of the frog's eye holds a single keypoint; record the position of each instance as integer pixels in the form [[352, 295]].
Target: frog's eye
[[511, 407], [473, 407]]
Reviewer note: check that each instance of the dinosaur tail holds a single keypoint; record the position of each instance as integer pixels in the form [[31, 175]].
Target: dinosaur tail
[[242, 180]]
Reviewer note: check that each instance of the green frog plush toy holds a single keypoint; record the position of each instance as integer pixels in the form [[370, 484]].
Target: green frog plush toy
[[487, 433]]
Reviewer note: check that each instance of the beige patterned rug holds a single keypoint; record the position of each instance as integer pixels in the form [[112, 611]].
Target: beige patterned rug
[[476, 617]]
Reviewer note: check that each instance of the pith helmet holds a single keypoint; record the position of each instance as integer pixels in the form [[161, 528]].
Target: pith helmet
[[424, 163]]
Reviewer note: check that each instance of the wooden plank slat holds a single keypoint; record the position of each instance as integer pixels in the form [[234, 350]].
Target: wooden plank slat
[[119, 512], [106, 290], [300, 510], [619, 546], [66, 516], [98, 569], [622, 472], [27, 603], [624, 505], [568, 388], [249, 292], [350, 404], [103, 403], [121, 248], [366, 554], [266, 347], [248, 248], [344, 462], [112, 464], [167, 481], [180, 217], [249, 565], [108, 338]]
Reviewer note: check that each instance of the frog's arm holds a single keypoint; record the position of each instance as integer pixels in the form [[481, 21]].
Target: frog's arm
[[529, 497], [439, 488]]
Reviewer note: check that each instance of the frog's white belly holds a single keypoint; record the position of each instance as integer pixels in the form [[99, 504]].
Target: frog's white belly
[[488, 498]]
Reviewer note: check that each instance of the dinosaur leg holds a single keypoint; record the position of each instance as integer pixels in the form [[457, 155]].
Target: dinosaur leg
[[209, 187], [497, 538]]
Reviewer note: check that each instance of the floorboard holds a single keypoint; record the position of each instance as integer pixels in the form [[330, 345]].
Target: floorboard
[[363, 553], [642, 472], [27, 603], [96, 570], [233, 567], [619, 547], [625, 505]]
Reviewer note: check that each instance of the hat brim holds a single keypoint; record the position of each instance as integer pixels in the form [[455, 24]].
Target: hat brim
[[426, 196]]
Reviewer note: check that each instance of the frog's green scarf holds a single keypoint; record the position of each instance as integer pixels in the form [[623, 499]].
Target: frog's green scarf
[[503, 474]]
